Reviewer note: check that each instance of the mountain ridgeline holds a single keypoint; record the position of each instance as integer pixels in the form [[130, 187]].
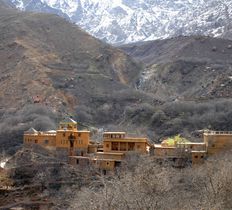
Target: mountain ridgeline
[[126, 21]]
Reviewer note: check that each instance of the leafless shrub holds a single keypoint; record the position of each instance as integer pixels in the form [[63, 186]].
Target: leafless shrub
[[14, 123], [154, 186]]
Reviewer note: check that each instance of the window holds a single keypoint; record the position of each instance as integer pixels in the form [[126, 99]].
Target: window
[[36, 141], [46, 141], [107, 145], [79, 134], [195, 156], [107, 163], [64, 134], [114, 145], [77, 161], [138, 146], [202, 156]]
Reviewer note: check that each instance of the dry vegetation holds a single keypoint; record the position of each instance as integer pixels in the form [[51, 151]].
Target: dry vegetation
[[154, 186], [47, 56], [141, 183]]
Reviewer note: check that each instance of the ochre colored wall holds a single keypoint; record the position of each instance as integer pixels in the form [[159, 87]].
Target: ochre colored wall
[[81, 139], [41, 139], [59, 140], [141, 147], [108, 165], [218, 142], [198, 157], [193, 146], [123, 146], [165, 152], [114, 156], [92, 148]]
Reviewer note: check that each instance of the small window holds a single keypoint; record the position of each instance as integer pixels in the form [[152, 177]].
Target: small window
[[64, 134], [77, 162], [195, 156], [36, 141], [46, 141], [138, 146], [79, 134], [107, 163], [202, 156], [213, 145], [107, 145]]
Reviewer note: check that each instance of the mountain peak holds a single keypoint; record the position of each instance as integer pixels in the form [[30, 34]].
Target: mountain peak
[[125, 21]]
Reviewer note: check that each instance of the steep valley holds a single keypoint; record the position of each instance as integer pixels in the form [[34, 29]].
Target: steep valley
[[51, 69]]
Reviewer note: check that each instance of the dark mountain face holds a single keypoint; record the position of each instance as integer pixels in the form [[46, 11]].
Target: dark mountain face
[[185, 67], [192, 76]]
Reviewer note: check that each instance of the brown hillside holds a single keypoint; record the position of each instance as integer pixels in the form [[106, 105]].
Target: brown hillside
[[40, 53], [45, 59]]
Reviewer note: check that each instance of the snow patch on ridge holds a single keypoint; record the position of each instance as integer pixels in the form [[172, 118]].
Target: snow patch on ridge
[[124, 21]]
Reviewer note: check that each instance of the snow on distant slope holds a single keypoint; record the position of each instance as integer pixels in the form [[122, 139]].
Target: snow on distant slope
[[125, 21]]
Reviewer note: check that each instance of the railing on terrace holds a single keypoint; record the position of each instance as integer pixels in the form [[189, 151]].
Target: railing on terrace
[[218, 132]]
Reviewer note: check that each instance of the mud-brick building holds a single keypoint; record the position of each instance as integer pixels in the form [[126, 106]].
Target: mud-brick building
[[217, 141], [214, 142], [119, 142], [115, 147], [67, 138]]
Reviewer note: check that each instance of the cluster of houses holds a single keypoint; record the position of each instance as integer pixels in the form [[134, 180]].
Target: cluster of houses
[[75, 146]]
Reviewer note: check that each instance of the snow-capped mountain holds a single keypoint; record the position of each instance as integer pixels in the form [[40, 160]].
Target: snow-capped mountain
[[125, 21]]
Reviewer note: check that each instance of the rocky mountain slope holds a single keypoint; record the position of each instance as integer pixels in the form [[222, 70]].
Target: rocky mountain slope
[[125, 21], [193, 75], [50, 68], [185, 67]]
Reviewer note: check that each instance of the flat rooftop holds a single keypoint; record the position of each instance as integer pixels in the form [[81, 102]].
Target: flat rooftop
[[127, 139], [193, 143], [110, 153], [202, 151], [120, 132], [74, 131]]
